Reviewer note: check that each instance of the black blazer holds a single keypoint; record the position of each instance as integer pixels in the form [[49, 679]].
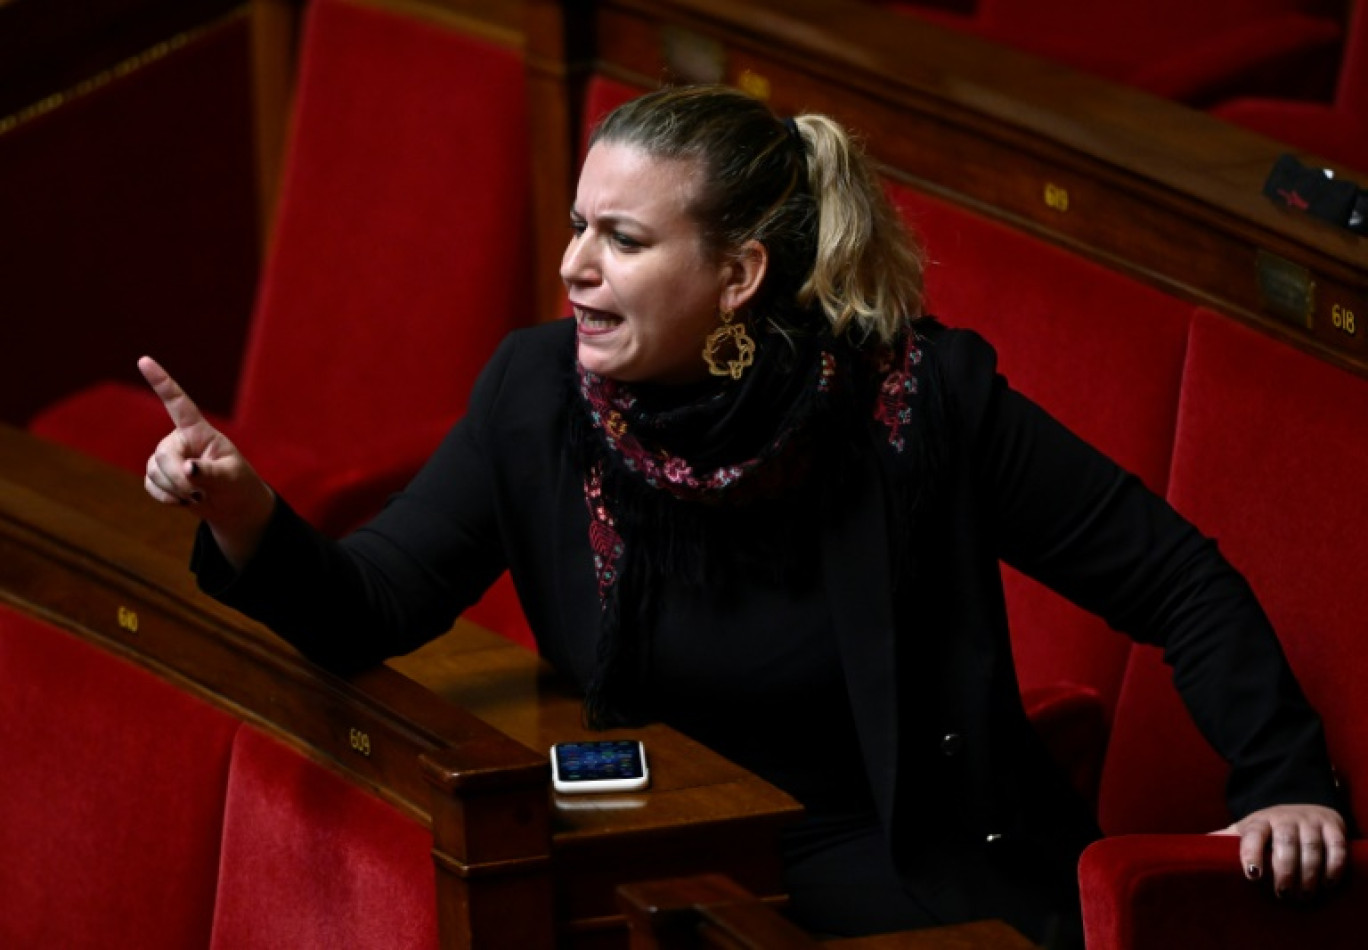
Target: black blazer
[[978, 815]]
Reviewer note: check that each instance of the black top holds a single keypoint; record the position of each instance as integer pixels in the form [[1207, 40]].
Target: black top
[[972, 832], [750, 667]]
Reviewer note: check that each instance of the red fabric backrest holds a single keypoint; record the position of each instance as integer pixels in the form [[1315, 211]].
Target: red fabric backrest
[[601, 96], [312, 861], [1101, 352], [402, 250], [1271, 459], [112, 797], [1351, 93]]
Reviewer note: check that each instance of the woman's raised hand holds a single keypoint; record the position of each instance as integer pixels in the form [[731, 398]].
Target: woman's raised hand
[[197, 465]]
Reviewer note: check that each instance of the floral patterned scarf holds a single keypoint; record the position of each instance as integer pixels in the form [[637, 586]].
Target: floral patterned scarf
[[666, 469]]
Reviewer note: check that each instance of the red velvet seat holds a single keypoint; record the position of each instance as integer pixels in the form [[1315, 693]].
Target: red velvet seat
[[1105, 357], [401, 257], [1271, 458], [1337, 131], [1200, 53], [312, 861], [112, 798]]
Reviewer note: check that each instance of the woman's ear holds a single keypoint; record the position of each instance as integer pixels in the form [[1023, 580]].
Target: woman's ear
[[742, 275]]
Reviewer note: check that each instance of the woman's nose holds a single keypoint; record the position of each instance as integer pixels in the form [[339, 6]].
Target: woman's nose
[[578, 264]]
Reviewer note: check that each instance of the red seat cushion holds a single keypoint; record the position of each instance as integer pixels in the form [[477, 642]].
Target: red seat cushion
[[118, 422], [112, 797], [1337, 131]]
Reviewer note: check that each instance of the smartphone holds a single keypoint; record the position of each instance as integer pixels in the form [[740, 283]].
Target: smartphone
[[606, 765]]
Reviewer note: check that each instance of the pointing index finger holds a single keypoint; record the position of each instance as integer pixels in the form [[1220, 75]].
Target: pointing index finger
[[180, 407]]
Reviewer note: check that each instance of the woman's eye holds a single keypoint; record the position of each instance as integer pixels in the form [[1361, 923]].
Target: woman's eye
[[577, 226], [625, 242]]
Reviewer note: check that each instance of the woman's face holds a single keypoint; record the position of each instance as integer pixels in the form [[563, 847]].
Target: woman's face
[[645, 291]]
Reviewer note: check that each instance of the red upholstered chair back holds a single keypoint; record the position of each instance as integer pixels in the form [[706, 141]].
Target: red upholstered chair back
[[601, 96], [312, 862], [112, 797], [1351, 93], [401, 253], [1271, 459], [1097, 349]]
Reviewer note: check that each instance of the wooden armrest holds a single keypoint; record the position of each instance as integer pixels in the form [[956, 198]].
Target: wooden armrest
[[708, 910], [712, 911]]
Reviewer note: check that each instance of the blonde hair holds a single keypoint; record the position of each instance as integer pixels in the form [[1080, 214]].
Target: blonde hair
[[867, 270], [803, 188]]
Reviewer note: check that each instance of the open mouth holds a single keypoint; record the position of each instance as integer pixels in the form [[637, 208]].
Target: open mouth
[[595, 321]]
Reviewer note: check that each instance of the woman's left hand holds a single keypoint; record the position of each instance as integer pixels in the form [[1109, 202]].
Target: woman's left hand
[[1305, 845]]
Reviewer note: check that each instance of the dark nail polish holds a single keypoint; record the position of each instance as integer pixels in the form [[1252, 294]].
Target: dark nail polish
[[194, 469], [197, 496], [1253, 872]]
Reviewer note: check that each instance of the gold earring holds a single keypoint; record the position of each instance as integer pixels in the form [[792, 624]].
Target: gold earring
[[729, 349]]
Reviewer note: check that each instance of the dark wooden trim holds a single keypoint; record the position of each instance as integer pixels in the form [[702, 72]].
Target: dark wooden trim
[[49, 46], [713, 911]]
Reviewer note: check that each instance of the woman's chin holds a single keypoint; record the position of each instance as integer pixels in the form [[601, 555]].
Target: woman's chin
[[600, 360]]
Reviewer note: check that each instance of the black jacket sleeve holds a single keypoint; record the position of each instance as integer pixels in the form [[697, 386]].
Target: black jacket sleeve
[[1066, 515], [396, 582]]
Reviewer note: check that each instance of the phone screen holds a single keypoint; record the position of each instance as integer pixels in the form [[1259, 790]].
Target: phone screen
[[599, 766]]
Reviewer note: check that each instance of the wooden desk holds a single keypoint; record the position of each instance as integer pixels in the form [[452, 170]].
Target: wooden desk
[[701, 810], [457, 734]]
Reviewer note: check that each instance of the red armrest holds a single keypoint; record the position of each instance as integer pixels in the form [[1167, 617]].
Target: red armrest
[[1157, 892], [1071, 720]]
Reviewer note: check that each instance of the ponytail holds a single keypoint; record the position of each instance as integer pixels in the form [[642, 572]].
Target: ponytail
[[867, 271]]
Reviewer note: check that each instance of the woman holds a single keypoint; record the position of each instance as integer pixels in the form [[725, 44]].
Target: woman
[[749, 492]]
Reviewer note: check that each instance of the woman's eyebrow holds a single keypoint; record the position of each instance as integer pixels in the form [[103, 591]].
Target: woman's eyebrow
[[614, 219]]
